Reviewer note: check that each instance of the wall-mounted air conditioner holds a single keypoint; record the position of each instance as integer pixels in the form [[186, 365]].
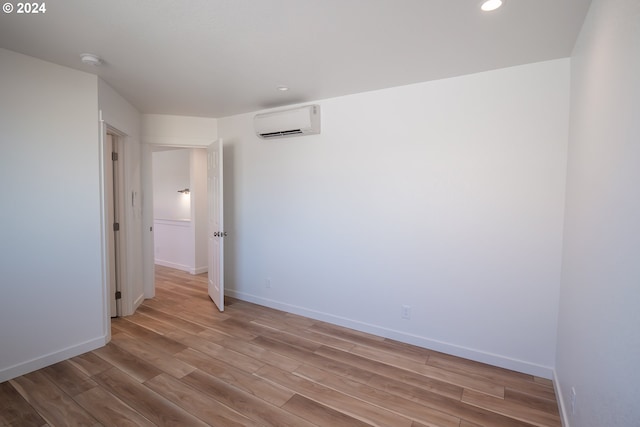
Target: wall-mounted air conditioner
[[295, 122]]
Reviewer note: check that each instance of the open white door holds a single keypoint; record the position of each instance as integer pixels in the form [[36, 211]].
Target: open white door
[[216, 224]]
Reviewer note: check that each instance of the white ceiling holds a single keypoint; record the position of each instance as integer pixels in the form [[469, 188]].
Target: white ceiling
[[216, 58]]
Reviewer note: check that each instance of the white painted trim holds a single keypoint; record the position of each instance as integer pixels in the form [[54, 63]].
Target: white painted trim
[[137, 302], [177, 266], [199, 270], [148, 239], [564, 415], [173, 222], [431, 344], [173, 141], [51, 358], [104, 270]]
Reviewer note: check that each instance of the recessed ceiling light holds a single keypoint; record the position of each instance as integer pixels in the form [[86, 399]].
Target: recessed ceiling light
[[283, 88], [91, 59], [490, 5]]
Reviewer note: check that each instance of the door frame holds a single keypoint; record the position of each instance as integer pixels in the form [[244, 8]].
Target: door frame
[[114, 212], [148, 244], [106, 227]]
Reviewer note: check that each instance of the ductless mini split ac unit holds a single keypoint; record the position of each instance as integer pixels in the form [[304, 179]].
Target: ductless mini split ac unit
[[294, 122]]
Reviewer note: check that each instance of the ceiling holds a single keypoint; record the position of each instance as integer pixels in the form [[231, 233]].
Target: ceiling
[[216, 58]]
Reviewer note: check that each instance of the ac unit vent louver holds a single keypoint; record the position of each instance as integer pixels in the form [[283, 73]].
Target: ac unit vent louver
[[283, 133], [295, 122]]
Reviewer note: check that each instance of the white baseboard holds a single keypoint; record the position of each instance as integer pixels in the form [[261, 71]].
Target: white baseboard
[[425, 342], [137, 302], [175, 265], [51, 358], [199, 270], [189, 269], [564, 414]]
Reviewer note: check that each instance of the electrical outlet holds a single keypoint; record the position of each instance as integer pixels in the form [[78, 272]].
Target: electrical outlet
[[573, 400], [267, 283], [406, 312]]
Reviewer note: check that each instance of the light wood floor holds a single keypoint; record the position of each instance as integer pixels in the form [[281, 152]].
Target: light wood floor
[[180, 362]]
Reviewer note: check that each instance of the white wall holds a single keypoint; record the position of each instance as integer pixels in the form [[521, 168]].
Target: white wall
[[179, 131], [599, 321], [174, 244], [52, 304], [122, 117], [446, 196], [171, 172]]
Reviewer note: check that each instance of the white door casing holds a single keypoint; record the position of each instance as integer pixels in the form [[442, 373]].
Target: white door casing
[[215, 227], [111, 219]]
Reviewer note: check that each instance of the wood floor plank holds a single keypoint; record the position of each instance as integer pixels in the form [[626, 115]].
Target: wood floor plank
[[191, 400], [232, 357], [523, 397], [261, 354], [69, 378], [286, 322], [53, 405], [388, 358], [446, 361], [512, 409], [327, 340], [408, 383], [424, 370], [404, 407], [320, 414], [493, 375], [15, 410], [445, 402], [364, 411], [295, 340], [148, 403], [162, 343], [127, 362], [241, 380], [234, 328], [153, 356], [110, 410], [172, 321], [544, 381], [90, 364], [247, 404], [150, 323], [211, 320]]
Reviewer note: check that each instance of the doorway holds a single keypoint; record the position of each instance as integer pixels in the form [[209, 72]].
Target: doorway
[[204, 232], [180, 208]]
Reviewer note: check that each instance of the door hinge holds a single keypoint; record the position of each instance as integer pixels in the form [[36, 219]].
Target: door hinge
[[114, 156], [118, 295], [116, 226]]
